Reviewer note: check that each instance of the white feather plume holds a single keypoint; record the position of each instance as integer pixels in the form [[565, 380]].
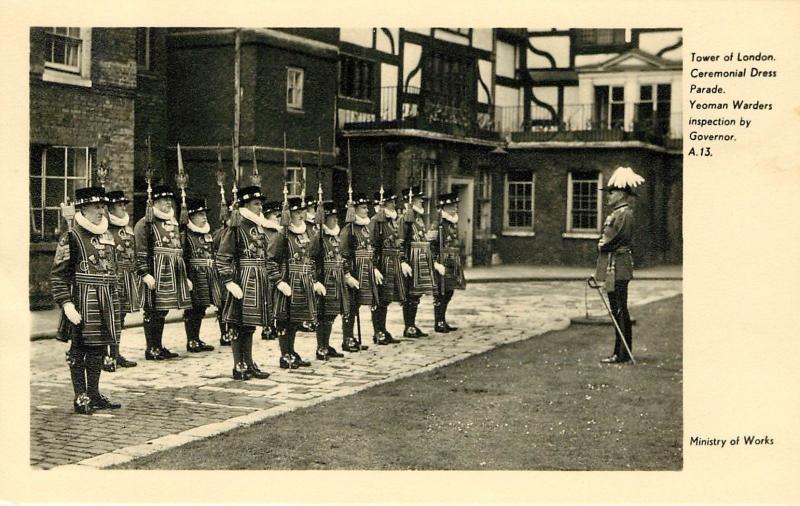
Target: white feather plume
[[625, 177]]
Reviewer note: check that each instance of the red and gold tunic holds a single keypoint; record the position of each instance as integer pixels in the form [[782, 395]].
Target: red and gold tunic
[[389, 255], [332, 270], [129, 282], [199, 253], [85, 273], [418, 252], [292, 258], [448, 252], [242, 258], [358, 250], [168, 267]]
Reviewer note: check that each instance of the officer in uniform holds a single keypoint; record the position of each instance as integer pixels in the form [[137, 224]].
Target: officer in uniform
[[357, 246], [84, 284], [273, 229], [242, 267], [159, 262], [199, 253], [385, 229], [292, 261], [334, 273], [129, 284], [418, 254], [448, 262], [615, 261]]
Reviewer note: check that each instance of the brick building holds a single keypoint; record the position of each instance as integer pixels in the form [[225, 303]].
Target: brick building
[[525, 124]]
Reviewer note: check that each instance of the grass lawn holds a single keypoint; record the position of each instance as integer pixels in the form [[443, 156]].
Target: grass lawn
[[541, 404]]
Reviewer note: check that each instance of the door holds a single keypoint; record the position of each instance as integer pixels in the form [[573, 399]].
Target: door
[[465, 188]]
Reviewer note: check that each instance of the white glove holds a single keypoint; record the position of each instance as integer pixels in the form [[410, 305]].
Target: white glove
[[189, 282], [235, 289], [319, 288], [439, 268], [378, 276], [71, 313], [285, 289], [150, 281], [351, 282], [432, 235], [406, 269]]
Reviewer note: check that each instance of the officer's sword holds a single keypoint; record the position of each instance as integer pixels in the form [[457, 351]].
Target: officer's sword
[[593, 284]]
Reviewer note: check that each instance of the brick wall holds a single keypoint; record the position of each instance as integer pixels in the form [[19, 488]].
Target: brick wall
[[98, 116], [657, 237]]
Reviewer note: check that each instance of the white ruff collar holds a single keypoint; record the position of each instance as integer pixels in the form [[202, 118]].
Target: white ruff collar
[[258, 219], [298, 229], [450, 217], [199, 230], [418, 209], [361, 221], [272, 224], [390, 213], [161, 215], [119, 222], [331, 231], [99, 229]]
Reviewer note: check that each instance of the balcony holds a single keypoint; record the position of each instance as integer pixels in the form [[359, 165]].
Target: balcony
[[414, 109], [411, 108], [584, 123]]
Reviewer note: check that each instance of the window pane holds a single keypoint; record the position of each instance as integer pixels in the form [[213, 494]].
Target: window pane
[[77, 164], [55, 162], [52, 224], [646, 93], [36, 222], [617, 93], [54, 192], [35, 191]]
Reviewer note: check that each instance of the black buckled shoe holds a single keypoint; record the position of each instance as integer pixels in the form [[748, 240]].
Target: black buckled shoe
[[322, 354], [287, 362], [256, 372], [332, 353], [383, 339], [168, 354], [154, 354], [241, 372], [103, 402], [351, 345], [449, 327], [82, 405], [300, 361], [197, 346], [109, 364], [413, 332], [124, 362], [441, 328]]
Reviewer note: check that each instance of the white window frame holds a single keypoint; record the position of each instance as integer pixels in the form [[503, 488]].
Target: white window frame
[[583, 233], [294, 181], [508, 230], [294, 92], [41, 206], [485, 200], [429, 177], [79, 75]]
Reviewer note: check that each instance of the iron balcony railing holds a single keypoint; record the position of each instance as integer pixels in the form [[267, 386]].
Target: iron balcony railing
[[412, 108]]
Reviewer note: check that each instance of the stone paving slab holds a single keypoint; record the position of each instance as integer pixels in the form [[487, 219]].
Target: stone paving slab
[[167, 404]]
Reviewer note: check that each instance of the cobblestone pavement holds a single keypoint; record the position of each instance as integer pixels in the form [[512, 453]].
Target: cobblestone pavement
[[166, 404]]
